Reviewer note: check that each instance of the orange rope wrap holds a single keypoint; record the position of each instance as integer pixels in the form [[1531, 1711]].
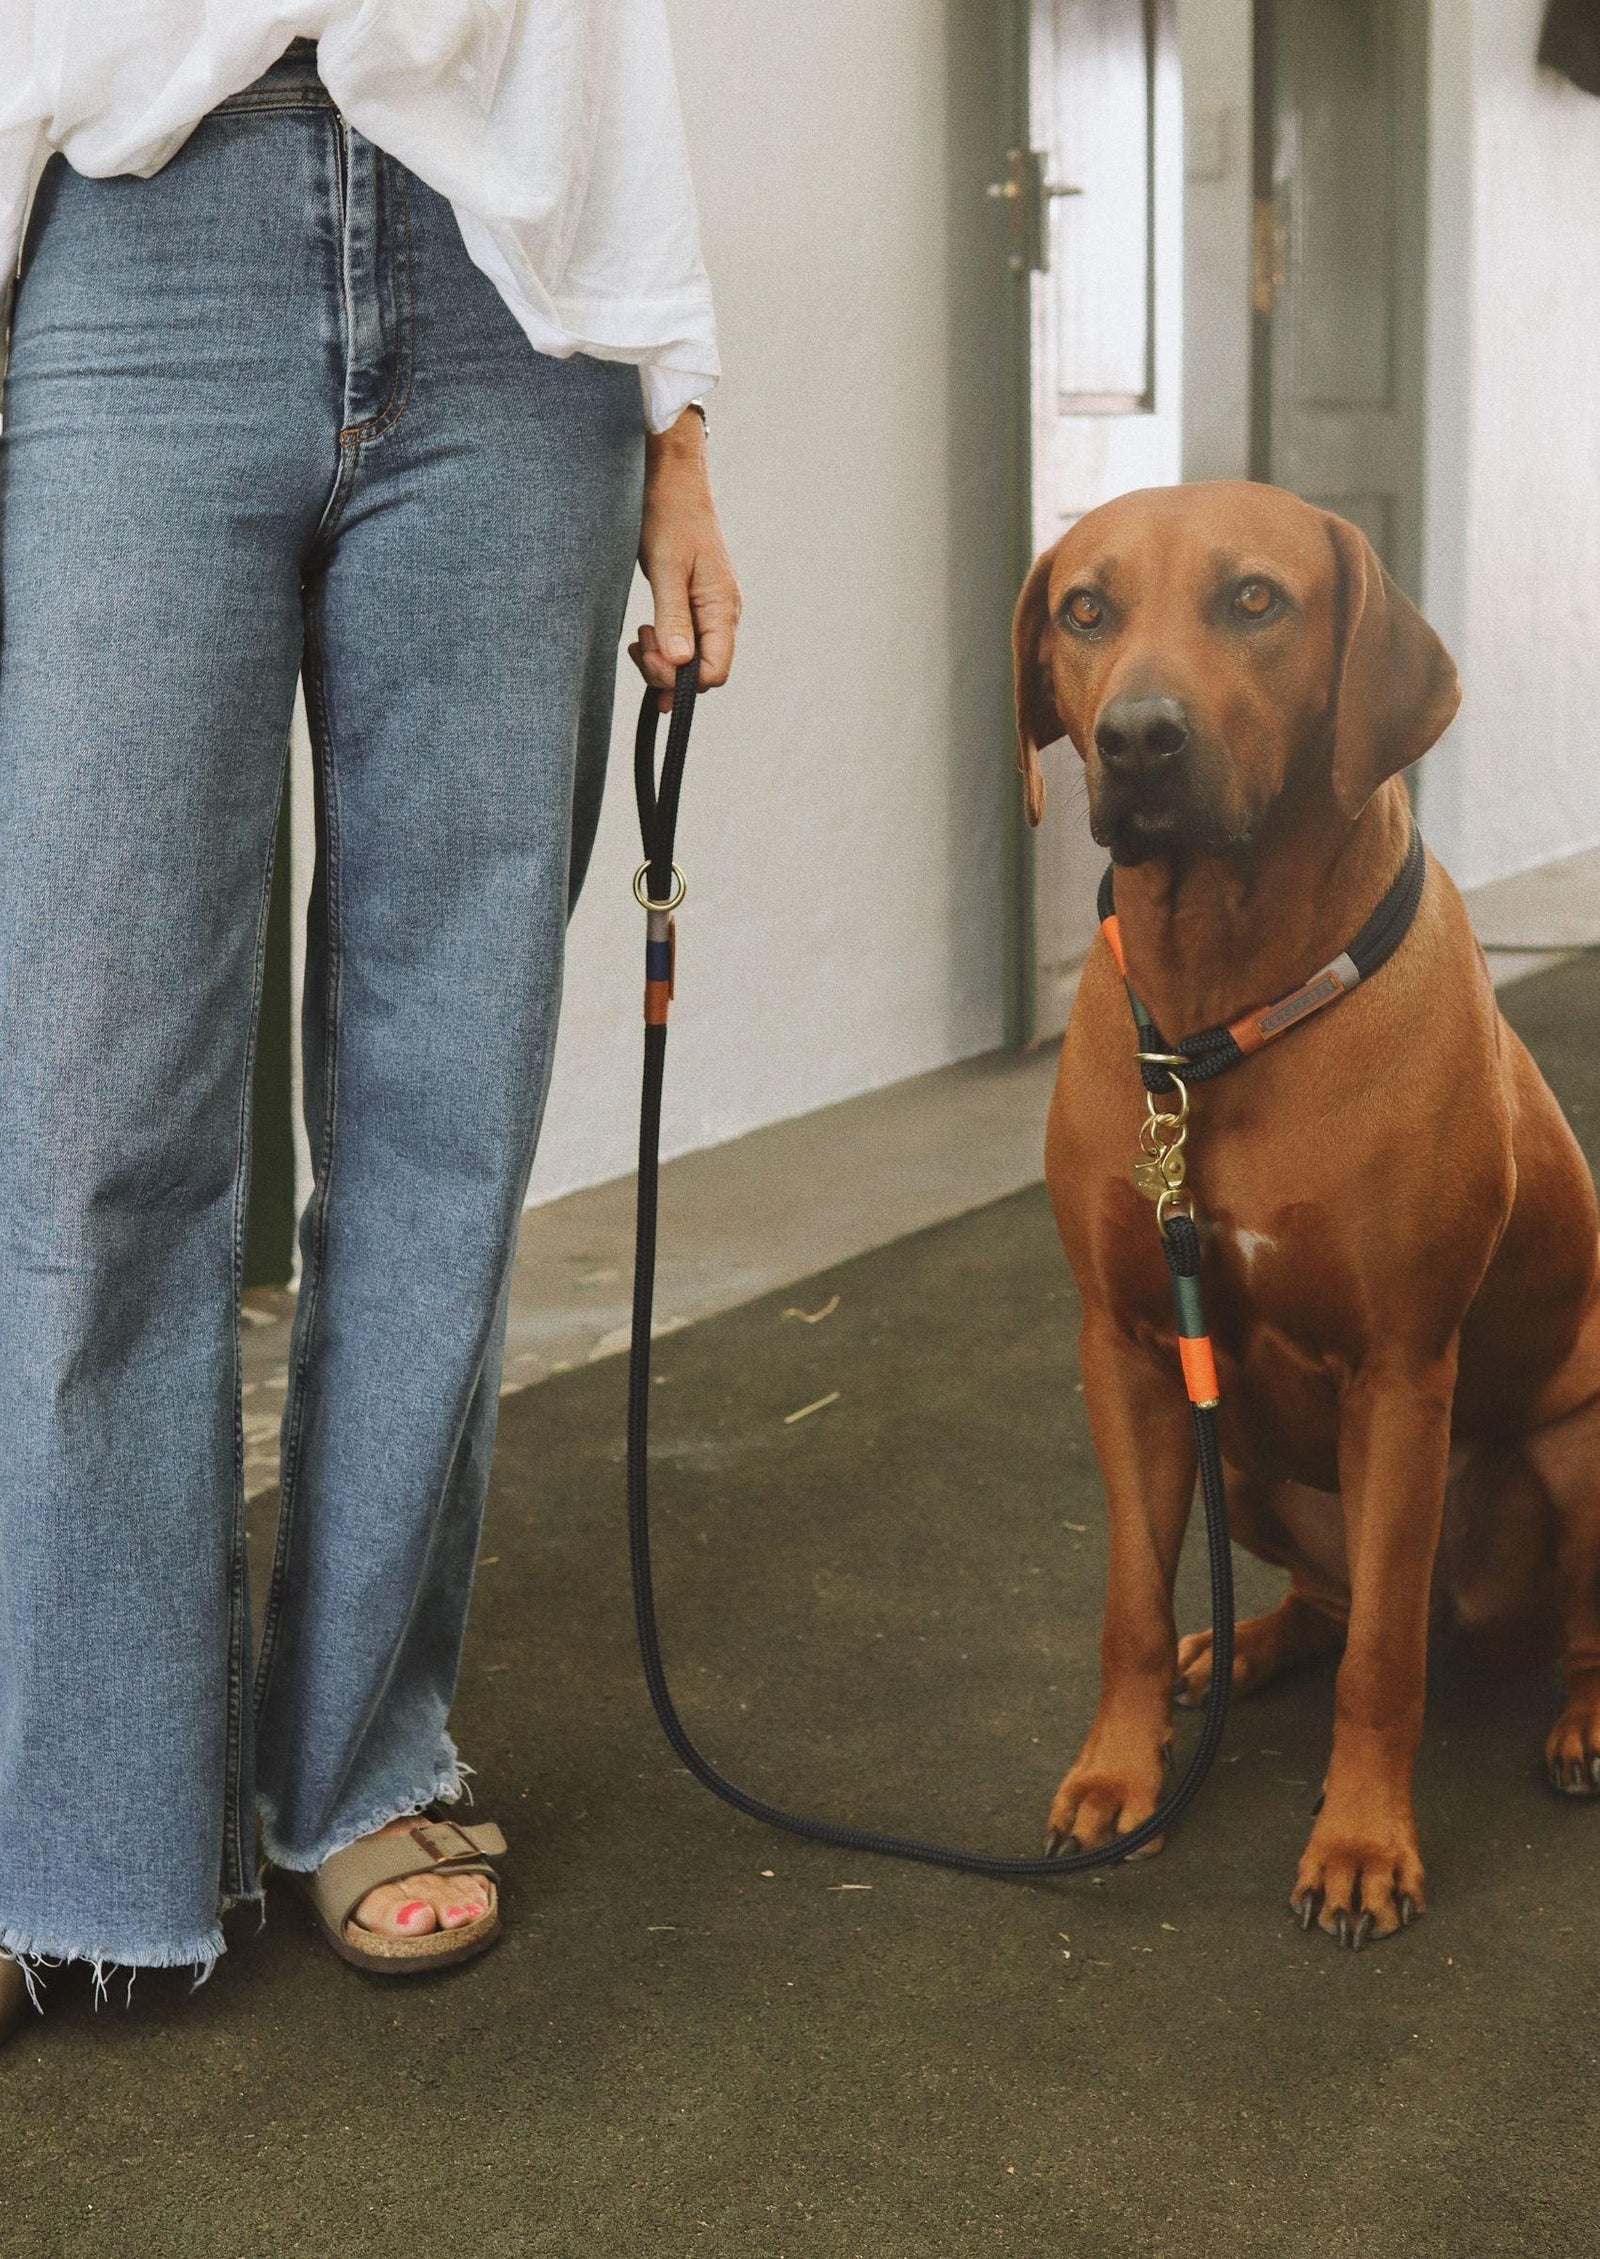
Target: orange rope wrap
[[1199, 1368]]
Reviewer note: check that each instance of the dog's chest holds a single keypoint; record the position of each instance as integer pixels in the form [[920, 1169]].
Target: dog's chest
[[1278, 1316]]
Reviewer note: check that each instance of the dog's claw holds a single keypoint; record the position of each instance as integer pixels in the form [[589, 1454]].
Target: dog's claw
[[1168, 1760], [1052, 1843], [1306, 1907], [1341, 1927], [1364, 1929], [1575, 1779], [1594, 1771], [1408, 1911]]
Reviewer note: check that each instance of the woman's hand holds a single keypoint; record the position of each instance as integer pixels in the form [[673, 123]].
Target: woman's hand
[[686, 562]]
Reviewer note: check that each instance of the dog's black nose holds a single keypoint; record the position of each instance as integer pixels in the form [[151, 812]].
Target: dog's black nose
[[1141, 730]]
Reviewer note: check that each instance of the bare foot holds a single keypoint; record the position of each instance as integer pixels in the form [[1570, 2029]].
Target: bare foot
[[420, 1903]]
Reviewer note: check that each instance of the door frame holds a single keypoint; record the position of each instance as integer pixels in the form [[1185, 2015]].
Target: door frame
[[1130, 447], [1016, 343]]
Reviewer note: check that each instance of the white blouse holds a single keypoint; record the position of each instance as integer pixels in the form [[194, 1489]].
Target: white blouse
[[553, 127]]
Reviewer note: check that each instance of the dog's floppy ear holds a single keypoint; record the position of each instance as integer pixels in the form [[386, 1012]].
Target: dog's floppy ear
[[1038, 721], [1395, 686]]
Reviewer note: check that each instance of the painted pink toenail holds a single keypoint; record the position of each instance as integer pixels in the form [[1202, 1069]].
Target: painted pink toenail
[[462, 1913], [410, 1910]]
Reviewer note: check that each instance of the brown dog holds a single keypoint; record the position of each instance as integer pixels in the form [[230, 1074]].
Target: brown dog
[[1401, 1253]]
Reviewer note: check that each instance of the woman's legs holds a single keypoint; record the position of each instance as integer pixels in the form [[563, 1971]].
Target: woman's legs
[[165, 462], [464, 607], [269, 367]]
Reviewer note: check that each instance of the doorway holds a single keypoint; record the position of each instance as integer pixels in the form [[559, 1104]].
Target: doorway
[[1337, 310], [1307, 147]]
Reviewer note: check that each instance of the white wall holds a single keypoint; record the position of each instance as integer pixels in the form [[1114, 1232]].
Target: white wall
[[847, 799], [1514, 542]]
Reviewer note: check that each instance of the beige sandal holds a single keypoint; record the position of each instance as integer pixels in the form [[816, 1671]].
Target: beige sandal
[[426, 1847]]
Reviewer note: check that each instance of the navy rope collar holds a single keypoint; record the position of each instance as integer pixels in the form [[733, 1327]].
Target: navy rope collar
[[1214, 1050]]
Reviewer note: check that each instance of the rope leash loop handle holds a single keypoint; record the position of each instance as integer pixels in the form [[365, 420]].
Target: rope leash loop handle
[[658, 803], [658, 816]]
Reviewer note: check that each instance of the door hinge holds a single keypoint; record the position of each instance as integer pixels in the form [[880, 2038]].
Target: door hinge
[[1027, 196], [1266, 255]]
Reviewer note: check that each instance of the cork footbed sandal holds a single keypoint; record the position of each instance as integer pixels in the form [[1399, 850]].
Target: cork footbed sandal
[[425, 1847]]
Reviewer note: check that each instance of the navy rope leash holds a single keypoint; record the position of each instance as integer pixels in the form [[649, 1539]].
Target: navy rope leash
[[659, 886]]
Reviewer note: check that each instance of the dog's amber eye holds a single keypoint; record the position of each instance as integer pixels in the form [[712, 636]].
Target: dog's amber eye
[[1084, 610], [1254, 598]]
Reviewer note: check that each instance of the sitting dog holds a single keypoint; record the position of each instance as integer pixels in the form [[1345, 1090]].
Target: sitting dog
[[1400, 1247]]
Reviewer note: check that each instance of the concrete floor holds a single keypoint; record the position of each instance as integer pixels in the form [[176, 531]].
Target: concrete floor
[[773, 1207], [703, 2038], [736, 1221]]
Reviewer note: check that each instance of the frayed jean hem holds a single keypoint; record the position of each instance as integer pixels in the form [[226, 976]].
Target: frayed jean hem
[[448, 1786], [37, 1951]]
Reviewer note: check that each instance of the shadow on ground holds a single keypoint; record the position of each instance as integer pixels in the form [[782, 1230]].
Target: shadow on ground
[[703, 2038]]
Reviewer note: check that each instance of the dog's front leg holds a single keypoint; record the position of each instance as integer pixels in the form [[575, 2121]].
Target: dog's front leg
[[1144, 1438], [1361, 1875]]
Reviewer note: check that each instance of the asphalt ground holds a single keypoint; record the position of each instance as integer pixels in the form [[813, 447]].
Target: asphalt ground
[[700, 2037]]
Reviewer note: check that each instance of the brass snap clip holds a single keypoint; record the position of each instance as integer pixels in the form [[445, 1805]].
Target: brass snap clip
[[1159, 1169]]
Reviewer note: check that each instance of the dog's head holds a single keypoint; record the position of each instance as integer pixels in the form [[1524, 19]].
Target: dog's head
[[1210, 648]]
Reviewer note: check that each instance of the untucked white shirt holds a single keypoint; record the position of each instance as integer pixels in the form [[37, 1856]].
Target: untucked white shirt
[[553, 127]]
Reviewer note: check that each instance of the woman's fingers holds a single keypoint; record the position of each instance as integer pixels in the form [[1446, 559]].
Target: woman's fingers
[[657, 670], [696, 608], [647, 656], [714, 598], [674, 622]]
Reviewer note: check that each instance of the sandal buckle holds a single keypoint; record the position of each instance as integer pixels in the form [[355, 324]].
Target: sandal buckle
[[435, 1838]]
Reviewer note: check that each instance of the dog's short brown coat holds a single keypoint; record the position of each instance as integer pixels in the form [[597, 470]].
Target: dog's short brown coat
[[1401, 1245]]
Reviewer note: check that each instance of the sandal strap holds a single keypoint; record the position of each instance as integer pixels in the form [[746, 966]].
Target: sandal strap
[[424, 1847]]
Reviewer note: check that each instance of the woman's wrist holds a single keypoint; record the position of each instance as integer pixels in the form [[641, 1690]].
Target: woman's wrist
[[684, 438]]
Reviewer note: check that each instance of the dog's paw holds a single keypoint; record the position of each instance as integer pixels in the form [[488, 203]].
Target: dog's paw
[[1255, 1661], [1359, 1882], [1115, 1785], [1264, 1647], [1572, 1746]]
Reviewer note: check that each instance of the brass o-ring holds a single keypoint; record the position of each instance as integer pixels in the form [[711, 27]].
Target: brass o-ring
[[680, 887]]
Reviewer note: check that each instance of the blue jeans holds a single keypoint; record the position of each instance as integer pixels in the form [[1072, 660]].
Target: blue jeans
[[262, 415]]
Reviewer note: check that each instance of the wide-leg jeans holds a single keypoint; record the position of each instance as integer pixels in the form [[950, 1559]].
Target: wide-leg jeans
[[262, 415]]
